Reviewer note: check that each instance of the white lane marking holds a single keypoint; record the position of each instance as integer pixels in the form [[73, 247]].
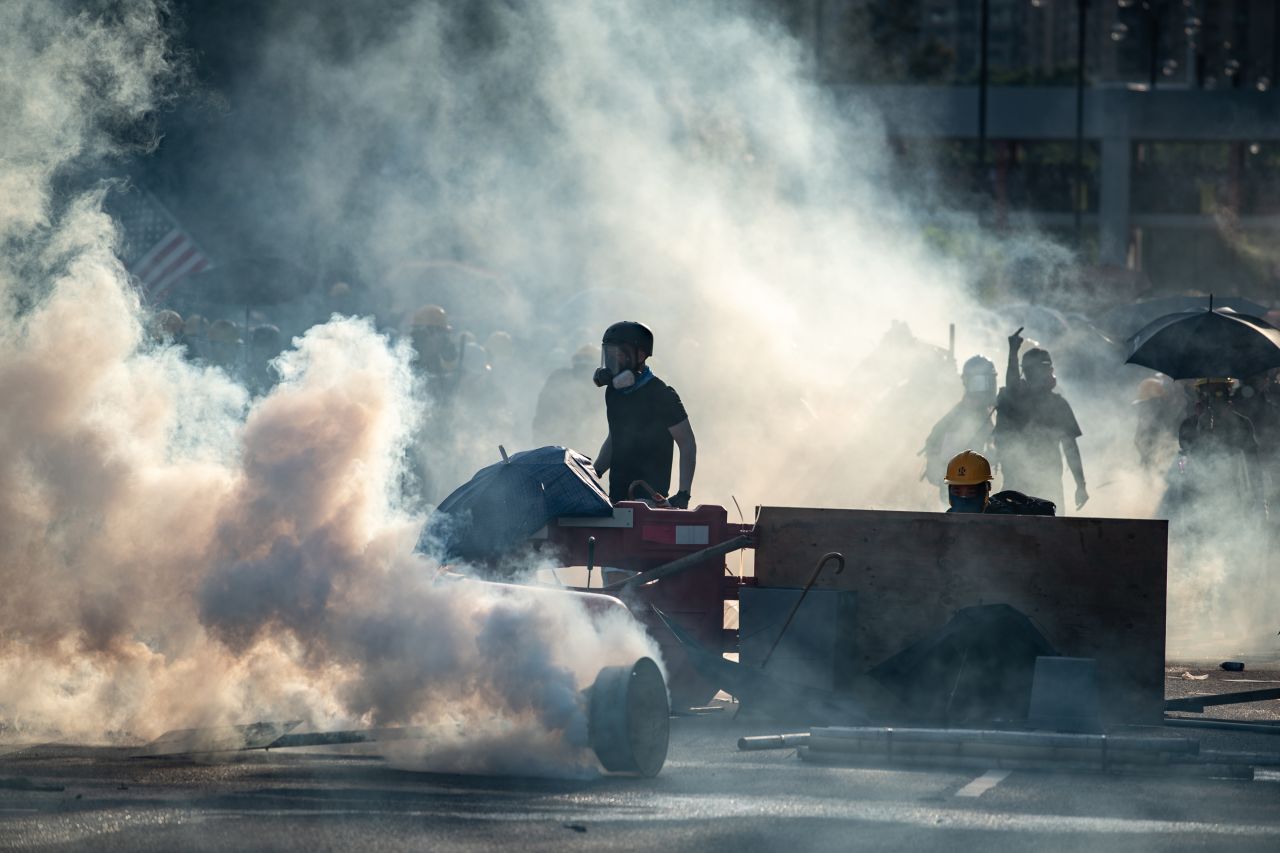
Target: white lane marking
[[983, 783], [1260, 775]]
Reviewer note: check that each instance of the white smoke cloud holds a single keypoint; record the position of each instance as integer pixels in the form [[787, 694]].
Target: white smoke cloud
[[673, 163], [174, 554]]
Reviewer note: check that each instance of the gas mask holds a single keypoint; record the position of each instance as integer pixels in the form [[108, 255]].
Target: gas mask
[[971, 504], [615, 368], [1040, 376]]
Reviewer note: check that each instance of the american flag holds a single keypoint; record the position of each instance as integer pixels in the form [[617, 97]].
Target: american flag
[[156, 249]]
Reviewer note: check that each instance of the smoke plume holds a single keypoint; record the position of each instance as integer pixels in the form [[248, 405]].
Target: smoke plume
[[177, 551], [175, 554]]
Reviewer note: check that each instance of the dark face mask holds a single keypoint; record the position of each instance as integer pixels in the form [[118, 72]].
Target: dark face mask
[[1041, 377], [977, 503]]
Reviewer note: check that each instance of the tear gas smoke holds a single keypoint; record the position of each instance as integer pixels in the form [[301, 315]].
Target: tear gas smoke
[[178, 553], [546, 169], [175, 555]]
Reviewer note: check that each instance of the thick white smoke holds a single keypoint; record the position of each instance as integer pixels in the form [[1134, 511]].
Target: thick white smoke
[[671, 162], [174, 555]]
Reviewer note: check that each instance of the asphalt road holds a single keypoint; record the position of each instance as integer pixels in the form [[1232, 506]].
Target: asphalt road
[[709, 797]]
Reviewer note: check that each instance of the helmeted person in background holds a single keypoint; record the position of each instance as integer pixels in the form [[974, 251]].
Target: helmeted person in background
[[1259, 400], [434, 458], [967, 425], [1035, 428], [439, 351], [195, 330], [265, 343], [568, 410], [1159, 407], [500, 349], [968, 480], [1219, 456], [224, 348], [167, 327], [646, 419], [341, 299]]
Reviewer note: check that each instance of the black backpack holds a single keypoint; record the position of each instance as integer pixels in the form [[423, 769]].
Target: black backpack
[[1010, 502]]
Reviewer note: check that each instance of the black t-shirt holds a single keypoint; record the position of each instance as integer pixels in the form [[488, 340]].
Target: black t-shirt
[[639, 428], [1030, 429]]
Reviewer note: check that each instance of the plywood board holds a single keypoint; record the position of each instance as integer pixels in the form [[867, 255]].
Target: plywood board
[[1094, 587]]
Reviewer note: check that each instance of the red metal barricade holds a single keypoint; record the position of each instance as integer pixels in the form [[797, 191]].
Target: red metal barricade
[[639, 537]]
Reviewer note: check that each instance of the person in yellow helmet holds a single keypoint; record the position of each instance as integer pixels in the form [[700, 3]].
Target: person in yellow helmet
[[969, 490], [968, 482]]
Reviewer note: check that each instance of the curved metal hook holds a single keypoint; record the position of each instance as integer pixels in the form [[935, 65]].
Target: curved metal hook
[[827, 558]]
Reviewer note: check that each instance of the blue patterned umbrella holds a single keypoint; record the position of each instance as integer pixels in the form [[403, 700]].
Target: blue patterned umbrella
[[504, 504]]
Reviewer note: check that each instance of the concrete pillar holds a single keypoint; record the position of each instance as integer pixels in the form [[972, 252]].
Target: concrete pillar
[[1113, 200]]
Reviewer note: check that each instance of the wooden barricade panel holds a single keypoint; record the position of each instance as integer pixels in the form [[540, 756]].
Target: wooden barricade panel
[[1095, 587]]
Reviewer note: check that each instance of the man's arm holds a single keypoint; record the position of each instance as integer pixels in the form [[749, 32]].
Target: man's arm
[[683, 434], [604, 459], [1071, 450], [1012, 375]]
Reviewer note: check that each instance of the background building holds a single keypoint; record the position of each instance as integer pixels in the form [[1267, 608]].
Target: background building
[[1179, 173]]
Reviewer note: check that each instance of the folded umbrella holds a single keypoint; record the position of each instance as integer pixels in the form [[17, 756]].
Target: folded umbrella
[[1214, 343], [502, 505]]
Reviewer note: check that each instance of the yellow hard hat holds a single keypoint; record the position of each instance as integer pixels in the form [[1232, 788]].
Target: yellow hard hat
[[430, 317], [968, 468]]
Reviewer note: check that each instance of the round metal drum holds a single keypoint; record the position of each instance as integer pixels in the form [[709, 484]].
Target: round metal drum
[[629, 718]]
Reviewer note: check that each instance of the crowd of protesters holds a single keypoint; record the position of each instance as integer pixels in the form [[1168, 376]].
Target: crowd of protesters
[[1213, 442]]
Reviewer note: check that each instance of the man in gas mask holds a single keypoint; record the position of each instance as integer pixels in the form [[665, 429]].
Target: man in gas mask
[[1035, 428], [967, 425], [1218, 449], [646, 419]]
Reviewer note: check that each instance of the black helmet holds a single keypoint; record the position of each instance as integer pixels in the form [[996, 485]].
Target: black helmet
[[1036, 356], [630, 332]]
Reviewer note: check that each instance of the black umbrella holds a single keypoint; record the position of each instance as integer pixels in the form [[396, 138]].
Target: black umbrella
[[1207, 344], [506, 503], [1125, 320], [978, 668]]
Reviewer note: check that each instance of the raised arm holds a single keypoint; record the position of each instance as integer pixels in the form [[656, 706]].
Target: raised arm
[[1012, 374]]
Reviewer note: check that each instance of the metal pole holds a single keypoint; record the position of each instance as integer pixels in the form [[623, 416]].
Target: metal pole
[[1153, 33], [983, 75], [1082, 13]]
